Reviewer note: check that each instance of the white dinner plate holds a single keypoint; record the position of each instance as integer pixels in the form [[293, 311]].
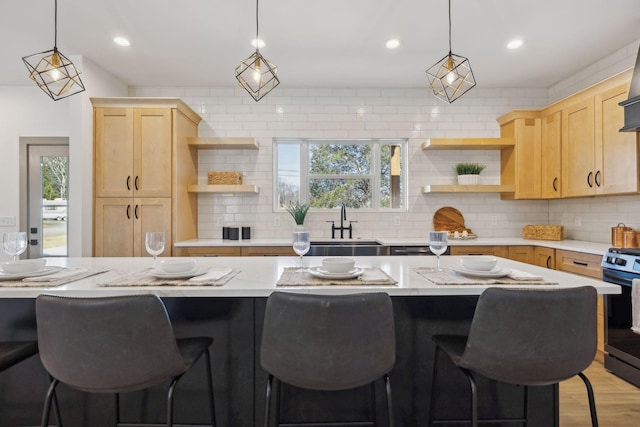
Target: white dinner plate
[[37, 273], [322, 274], [159, 274], [496, 272]]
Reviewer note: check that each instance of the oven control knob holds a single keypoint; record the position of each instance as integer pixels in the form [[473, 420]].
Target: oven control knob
[[610, 260], [621, 261]]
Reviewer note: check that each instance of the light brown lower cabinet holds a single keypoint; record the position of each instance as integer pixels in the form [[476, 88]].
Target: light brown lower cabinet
[[268, 251], [521, 253], [544, 257], [501, 251], [209, 251], [585, 265]]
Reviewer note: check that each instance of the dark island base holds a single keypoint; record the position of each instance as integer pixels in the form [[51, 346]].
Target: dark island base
[[239, 382]]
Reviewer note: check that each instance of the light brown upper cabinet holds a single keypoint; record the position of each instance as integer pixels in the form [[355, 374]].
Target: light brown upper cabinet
[[551, 155], [578, 149], [616, 153], [143, 167]]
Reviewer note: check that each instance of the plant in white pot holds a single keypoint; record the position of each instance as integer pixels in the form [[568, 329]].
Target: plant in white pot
[[469, 173], [298, 211]]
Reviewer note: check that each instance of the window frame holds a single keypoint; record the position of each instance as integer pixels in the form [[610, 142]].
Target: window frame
[[374, 175]]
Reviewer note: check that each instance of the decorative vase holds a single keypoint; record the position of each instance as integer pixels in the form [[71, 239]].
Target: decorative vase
[[468, 179]]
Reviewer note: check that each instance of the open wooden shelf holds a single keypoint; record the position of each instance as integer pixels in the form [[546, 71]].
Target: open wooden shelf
[[468, 189], [467, 143], [230, 143], [204, 188]]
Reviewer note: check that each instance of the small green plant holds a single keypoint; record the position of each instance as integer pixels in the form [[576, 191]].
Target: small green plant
[[469, 168], [298, 211]]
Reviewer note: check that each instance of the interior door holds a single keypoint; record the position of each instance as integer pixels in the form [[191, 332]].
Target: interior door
[[48, 202]]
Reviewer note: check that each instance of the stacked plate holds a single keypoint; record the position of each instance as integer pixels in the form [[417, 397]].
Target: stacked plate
[[481, 266], [324, 274]]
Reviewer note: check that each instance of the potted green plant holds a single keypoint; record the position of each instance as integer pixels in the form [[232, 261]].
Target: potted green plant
[[469, 173], [298, 211]]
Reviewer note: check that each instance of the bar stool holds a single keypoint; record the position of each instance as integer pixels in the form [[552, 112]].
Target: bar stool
[[115, 345], [524, 337], [329, 343]]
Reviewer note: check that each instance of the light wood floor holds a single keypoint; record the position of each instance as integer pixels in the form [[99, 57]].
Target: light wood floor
[[617, 401]]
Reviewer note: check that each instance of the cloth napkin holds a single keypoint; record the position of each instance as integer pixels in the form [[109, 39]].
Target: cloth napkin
[[523, 275], [65, 273], [211, 276], [635, 306]]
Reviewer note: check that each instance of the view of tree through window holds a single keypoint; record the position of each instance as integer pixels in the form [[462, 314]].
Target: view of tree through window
[[362, 174]]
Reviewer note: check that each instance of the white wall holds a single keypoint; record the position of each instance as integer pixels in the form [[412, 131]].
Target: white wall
[[27, 111], [393, 113]]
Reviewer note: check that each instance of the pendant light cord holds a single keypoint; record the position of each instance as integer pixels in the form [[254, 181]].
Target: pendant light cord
[[449, 27], [257, 27], [55, 26]]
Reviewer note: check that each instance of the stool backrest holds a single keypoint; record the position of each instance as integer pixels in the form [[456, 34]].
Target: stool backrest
[[112, 344], [328, 342], [532, 337]]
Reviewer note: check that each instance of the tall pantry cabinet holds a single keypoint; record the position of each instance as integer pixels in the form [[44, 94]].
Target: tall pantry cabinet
[[142, 167]]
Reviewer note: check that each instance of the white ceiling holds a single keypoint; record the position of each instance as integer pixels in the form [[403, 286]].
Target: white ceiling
[[336, 43]]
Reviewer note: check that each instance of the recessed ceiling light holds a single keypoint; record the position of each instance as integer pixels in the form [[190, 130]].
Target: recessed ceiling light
[[515, 44], [121, 41], [392, 43], [257, 43]]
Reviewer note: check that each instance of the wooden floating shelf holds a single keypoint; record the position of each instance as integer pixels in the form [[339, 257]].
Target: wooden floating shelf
[[224, 143], [467, 143], [468, 189], [204, 188]]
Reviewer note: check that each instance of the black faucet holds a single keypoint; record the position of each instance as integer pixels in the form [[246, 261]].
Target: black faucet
[[342, 228]]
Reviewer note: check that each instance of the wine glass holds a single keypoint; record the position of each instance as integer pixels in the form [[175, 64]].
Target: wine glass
[[301, 243], [438, 245], [154, 242], [14, 243]]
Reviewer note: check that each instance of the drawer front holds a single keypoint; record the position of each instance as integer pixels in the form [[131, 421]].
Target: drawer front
[[501, 251], [268, 251], [579, 263], [208, 251]]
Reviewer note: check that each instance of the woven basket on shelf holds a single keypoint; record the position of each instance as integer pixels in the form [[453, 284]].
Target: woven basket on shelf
[[224, 178], [542, 232]]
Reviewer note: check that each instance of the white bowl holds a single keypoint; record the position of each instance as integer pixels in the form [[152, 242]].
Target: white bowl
[[478, 263], [23, 266], [338, 265], [177, 265]]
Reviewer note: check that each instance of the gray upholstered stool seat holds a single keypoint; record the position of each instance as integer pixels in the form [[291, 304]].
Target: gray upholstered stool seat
[[524, 337], [329, 343], [115, 345]]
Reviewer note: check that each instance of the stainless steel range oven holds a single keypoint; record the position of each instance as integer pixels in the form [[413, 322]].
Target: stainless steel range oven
[[620, 266]]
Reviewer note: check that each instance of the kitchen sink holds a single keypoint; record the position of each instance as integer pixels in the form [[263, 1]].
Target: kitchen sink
[[348, 248]]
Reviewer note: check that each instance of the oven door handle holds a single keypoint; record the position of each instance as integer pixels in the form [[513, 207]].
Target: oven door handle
[[617, 278]]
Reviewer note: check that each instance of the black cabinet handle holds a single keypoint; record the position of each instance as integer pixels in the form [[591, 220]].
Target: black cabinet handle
[[589, 183], [135, 212], [555, 184], [583, 264], [129, 183], [128, 211], [136, 183], [598, 178]]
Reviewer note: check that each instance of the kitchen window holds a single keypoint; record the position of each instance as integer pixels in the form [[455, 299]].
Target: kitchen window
[[363, 174]]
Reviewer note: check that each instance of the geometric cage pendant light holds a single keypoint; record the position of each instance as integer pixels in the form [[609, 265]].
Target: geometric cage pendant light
[[451, 77], [53, 72], [256, 74]]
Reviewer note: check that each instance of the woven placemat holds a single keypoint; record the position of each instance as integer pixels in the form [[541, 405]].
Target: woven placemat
[[450, 277], [294, 276], [143, 278], [50, 281]]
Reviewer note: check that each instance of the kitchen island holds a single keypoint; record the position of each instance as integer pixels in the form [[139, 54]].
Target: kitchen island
[[232, 314]]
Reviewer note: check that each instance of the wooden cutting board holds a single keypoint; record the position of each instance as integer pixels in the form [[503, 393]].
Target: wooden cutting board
[[450, 219]]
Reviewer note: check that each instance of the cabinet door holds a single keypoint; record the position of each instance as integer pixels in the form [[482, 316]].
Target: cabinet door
[[152, 137], [151, 214], [544, 257], [578, 152], [113, 143], [113, 228], [521, 253], [616, 152], [550, 155]]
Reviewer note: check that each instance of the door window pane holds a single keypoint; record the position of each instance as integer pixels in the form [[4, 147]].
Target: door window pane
[[54, 172]]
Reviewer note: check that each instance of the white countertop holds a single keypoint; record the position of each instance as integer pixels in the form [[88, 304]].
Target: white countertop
[[569, 245], [258, 276]]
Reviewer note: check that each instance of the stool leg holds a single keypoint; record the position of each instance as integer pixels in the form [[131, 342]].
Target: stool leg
[[434, 377], [372, 396], [474, 397], [46, 412], [172, 388], [267, 405], [389, 400], [212, 406], [592, 401]]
